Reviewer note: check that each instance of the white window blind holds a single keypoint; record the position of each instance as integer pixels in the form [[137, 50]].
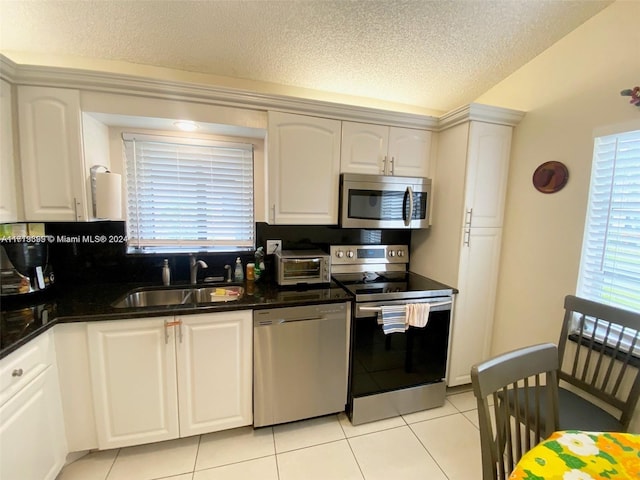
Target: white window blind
[[186, 194], [610, 264]]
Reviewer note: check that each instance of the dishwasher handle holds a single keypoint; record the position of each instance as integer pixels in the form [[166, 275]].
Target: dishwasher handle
[[279, 321]]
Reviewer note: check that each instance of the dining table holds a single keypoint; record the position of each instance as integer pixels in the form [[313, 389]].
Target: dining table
[[580, 455]]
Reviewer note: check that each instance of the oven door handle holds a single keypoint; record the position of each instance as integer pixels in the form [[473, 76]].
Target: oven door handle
[[378, 309]]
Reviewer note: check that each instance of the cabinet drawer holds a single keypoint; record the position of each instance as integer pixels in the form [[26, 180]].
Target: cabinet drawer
[[23, 365]]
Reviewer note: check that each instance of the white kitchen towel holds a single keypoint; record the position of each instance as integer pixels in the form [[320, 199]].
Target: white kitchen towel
[[393, 319], [418, 314]]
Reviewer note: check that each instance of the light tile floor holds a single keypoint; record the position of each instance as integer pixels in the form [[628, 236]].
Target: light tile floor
[[436, 444]]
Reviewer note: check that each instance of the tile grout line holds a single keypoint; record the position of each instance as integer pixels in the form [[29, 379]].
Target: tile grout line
[[427, 450], [195, 461], [113, 463]]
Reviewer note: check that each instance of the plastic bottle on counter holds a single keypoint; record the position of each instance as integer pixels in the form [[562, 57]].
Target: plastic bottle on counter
[[166, 273], [238, 274]]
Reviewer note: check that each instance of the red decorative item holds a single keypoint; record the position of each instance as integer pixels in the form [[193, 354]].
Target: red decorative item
[[550, 177], [634, 94]]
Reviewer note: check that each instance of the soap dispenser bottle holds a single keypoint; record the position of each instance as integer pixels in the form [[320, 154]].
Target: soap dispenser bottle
[[166, 273], [239, 274]]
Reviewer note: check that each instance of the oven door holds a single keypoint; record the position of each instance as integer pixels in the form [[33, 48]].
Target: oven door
[[385, 362], [369, 201]]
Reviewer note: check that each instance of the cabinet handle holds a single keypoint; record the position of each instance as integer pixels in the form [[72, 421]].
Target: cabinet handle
[[172, 324], [468, 215], [383, 170], [467, 237], [17, 372], [179, 325], [392, 162]]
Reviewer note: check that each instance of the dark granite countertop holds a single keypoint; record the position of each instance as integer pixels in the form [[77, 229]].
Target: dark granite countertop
[[25, 319]]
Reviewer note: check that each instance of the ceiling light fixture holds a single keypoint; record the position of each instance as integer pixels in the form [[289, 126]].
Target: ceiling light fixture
[[186, 125]]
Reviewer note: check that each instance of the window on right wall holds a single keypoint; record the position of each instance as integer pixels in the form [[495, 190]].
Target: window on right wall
[[610, 262]]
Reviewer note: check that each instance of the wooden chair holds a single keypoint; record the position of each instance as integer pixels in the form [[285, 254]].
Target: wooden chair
[[593, 370], [511, 375]]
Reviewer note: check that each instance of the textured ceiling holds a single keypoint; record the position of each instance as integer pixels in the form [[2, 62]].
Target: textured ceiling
[[432, 54]]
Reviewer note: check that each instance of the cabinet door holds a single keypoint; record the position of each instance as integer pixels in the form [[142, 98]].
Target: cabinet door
[[364, 148], [32, 445], [8, 194], [133, 377], [487, 172], [409, 152], [215, 371], [474, 308], [304, 168], [74, 374], [51, 154]]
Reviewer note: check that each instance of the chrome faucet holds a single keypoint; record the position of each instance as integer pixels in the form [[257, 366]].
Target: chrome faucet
[[193, 267]]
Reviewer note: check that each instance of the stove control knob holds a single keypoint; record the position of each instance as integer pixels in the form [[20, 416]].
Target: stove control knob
[[339, 254], [401, 253], [392, 253], [349, 253]]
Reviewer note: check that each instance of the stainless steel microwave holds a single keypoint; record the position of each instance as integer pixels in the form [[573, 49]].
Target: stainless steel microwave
[[303, 266], [382, 201]]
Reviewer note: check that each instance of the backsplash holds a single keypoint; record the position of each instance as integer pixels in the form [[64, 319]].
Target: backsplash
[[94, 252]]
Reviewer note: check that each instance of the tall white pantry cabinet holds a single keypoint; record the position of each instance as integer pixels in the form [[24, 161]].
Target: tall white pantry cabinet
[[462, 248]]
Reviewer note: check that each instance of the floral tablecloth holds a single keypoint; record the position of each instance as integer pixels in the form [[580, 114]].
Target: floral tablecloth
[[575, 455]]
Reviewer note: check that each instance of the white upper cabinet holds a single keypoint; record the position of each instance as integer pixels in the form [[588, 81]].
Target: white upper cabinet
[[304, 169], [409, 151], [8, 194], [382, 150], [364, 148], [51, 156], [487, 172]]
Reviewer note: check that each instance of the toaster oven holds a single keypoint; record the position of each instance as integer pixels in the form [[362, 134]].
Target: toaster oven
[[295, 267]]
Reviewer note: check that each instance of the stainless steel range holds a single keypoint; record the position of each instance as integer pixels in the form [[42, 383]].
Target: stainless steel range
[[392, 373]]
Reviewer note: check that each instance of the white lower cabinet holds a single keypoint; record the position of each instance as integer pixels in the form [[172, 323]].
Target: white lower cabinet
[[32, 437], [215, 372], [474, 311], [162, 378]]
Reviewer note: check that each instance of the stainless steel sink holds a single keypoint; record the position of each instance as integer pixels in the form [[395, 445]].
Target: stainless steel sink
[[158, 297]]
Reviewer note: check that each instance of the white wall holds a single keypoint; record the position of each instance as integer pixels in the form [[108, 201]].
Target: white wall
[[569, 92]]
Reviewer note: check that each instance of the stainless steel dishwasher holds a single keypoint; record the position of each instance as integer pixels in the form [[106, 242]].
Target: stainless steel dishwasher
[[300, 362]]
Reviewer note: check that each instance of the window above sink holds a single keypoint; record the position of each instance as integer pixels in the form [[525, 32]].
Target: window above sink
[[185, 193]]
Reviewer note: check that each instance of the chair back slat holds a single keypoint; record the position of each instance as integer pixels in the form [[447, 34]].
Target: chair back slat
[[598, 350], [523, 387]]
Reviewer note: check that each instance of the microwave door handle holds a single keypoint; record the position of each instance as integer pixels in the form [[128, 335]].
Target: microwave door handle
[[409, 193]]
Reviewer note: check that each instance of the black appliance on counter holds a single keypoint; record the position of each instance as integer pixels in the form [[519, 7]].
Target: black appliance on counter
[[396, 373], [24, 268]]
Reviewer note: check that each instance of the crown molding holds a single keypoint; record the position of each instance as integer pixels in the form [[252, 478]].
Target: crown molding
[[124, 84], [480, 112], [7, 69]]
